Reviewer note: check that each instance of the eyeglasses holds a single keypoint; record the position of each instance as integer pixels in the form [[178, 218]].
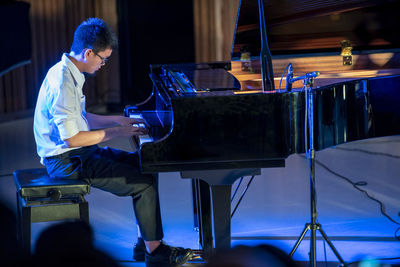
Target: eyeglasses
[[103, 60]]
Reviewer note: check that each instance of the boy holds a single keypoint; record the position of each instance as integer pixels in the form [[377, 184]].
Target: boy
[[67, 139]]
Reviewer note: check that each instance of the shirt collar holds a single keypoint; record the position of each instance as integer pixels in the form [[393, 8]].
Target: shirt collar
[[78, 76]]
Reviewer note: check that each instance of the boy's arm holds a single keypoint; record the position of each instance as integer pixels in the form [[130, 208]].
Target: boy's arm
[[102, 121], [88, 138]]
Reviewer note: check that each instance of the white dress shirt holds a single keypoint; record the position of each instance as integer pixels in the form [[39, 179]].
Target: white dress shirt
[[60, 108]]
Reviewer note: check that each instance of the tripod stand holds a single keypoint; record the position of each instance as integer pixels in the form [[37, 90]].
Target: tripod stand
[[313, 226]]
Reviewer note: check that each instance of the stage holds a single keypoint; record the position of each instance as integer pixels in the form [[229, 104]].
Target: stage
[[273, 211]]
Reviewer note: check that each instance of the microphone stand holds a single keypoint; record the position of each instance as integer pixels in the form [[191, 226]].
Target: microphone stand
[[313, 226]]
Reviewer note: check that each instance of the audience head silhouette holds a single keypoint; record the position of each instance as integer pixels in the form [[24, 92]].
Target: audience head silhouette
[[245, 256], [8, 233], [69, 244]]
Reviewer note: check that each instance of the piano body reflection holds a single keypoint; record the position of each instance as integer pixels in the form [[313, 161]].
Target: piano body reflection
[[215, 122]]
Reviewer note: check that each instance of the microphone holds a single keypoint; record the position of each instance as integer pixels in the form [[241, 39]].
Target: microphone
[[312, 74], [304, 77], [289, 78]]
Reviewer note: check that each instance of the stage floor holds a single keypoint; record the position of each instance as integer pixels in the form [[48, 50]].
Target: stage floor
[[274, 210]]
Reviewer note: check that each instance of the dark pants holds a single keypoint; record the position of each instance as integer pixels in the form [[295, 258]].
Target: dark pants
[[117, 172]]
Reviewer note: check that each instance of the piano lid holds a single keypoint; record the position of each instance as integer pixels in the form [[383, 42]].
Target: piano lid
[[308, 26]]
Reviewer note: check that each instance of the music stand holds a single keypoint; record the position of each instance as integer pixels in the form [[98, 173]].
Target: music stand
[[313, 226]]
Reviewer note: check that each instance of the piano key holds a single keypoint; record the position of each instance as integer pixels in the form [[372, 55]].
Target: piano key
[[145, 139]]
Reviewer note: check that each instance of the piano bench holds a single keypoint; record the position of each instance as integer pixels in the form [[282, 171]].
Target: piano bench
[[43, 199]]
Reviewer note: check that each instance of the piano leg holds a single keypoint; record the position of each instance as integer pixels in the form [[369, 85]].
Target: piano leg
[[202, 213], [221, 203], [216, 191]]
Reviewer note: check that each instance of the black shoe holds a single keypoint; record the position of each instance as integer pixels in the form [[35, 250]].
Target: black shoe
[[167, 256], [139, 250]]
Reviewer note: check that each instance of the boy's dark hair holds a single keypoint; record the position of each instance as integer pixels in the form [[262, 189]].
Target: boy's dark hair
[[94, 34]]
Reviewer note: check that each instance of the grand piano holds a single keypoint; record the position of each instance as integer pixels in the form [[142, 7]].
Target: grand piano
[[216, 122]]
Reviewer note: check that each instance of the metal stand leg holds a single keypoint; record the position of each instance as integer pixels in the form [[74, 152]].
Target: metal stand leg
[[331, 245], [313, 226], [306, 228]]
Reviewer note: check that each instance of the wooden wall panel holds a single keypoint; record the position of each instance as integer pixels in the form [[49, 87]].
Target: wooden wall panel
[[214, 22], [52, 26]]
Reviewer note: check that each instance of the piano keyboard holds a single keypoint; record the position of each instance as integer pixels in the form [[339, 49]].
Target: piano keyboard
[[145, 138]]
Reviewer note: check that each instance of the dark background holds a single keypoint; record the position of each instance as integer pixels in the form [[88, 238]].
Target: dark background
[[17, 39], [151, 32]]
